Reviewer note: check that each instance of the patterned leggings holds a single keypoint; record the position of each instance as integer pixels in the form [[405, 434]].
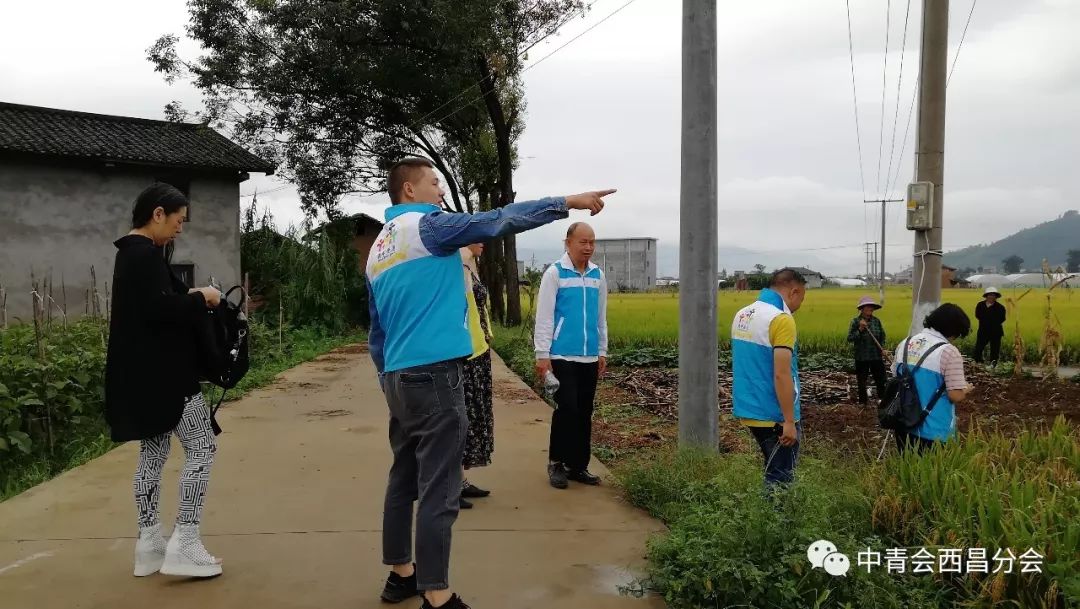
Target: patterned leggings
[[199, 444]]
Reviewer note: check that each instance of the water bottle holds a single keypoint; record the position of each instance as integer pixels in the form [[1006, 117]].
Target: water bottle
[[551, 384]]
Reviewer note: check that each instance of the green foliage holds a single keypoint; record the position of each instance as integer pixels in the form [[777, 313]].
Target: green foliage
[[338, 90], [51, 382], [52, 409], [303, 283], [993, 491], [729, 545], [516, 351]]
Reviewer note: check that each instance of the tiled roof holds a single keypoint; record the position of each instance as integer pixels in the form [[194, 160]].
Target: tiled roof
[[64, 133]]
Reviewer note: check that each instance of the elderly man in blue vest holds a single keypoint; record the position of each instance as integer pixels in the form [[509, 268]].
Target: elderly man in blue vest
[[418, 340], [765, 356], [571, 343]]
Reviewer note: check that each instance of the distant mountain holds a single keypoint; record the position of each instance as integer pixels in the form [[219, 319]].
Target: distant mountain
[[667, 259], [1050, 240]]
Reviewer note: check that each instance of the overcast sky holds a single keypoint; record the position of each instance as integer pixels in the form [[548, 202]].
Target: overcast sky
[[604, 111]]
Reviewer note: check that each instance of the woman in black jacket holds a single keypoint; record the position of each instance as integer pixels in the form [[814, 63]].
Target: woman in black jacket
[[152, 382]]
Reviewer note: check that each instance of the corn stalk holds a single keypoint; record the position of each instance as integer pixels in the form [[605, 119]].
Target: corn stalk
[[1013, 305], [1052, 341]]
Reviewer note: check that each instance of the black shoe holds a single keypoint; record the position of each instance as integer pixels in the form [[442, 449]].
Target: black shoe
[[584, 477], [399, 588], [557, 475], [455, 602], [473, 492], [464, 504]]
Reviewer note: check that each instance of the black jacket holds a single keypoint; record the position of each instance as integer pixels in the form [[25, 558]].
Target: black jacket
[[991, 318], [152, 361]]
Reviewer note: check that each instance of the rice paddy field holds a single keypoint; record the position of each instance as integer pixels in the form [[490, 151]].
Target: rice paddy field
[[653, 318]]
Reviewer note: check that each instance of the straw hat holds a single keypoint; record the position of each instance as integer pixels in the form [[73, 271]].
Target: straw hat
[[993, 291], [868, 301]]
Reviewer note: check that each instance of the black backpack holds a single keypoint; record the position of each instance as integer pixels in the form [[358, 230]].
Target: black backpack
[[901, 409], [223, 347]]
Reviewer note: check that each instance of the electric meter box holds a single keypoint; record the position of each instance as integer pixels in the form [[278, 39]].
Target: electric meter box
[[920, 206]]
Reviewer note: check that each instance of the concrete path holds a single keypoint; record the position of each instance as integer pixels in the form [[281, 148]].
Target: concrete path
[[295, 511]]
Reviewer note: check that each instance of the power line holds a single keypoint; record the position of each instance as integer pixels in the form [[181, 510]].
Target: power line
[[591, 28], [855, 97], [911, 112], [553, 31], [884, 76], [541, 60], [911, 107], [961, 45], [282, 187], [896, 112]]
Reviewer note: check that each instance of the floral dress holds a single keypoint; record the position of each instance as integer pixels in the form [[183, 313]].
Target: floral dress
[[480, 442]]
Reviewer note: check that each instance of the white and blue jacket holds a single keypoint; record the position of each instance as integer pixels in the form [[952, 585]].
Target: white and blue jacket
[[753, 387], [940, 424], [416, 290], [571, 313]]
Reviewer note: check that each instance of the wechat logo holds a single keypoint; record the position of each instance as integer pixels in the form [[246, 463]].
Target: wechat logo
[[822, 554]]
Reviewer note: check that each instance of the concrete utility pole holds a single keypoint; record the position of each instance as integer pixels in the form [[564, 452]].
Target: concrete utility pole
[[698, 413], [881, 276], [930, 156]]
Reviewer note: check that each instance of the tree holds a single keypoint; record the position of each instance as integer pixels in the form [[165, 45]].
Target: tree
[[1072, 264], [723, 274], [760, 268], [499, 50], [1012, 264], [336, 91]]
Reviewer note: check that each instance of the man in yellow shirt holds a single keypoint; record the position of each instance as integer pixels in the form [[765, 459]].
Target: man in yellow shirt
[[765, 356]]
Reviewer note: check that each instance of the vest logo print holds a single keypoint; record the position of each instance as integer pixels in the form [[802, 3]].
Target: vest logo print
[[743, 324], [386, 249]]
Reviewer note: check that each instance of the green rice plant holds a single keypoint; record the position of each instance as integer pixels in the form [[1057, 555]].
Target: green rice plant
[[988, 490], [651, 319]]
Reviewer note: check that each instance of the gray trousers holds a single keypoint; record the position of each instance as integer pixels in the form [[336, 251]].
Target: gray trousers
[[428, 427]]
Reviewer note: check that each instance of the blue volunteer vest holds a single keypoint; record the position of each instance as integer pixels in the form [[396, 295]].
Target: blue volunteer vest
[[754, 393], [419, 297], [940, 424], [577, 311]]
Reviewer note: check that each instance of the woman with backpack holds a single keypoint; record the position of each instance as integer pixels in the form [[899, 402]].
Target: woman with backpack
[[152, 382], [937, 368]]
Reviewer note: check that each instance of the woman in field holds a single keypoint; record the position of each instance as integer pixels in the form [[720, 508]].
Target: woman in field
[[940, 380], [867, 335], [152, 385]]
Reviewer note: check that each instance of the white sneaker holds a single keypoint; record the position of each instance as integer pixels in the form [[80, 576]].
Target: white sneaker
[[149, 551], [186, 555]]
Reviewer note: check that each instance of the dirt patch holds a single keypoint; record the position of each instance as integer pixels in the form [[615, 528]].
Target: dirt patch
[[334, 357], [282, 385], [327, 414], [639, 409], [515, 395], [357, 348]]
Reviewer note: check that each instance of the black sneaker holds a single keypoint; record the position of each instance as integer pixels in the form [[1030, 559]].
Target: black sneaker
[[464, 504], [584, 477], [455, 602], [472, 491], [399, 588], [557, 475]]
